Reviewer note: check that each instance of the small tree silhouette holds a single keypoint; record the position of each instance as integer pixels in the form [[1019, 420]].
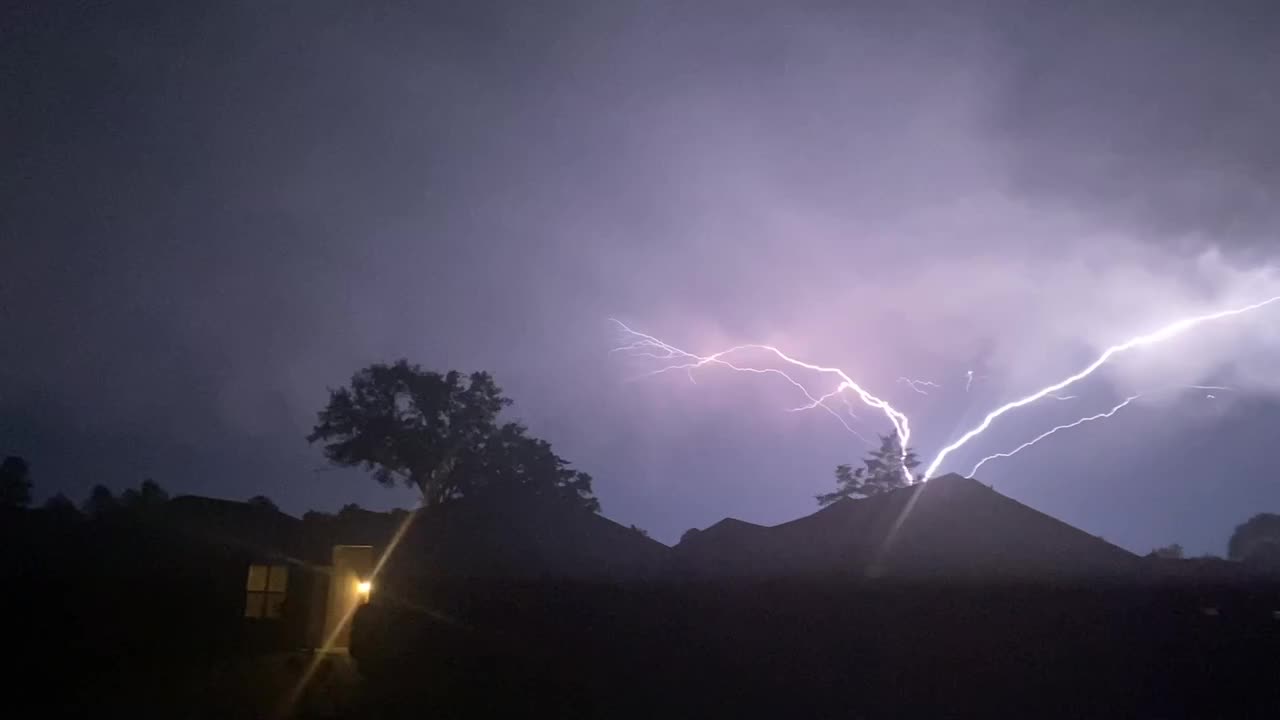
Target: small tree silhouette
[[101, 502], [262, 501], [61, 506], [15, 483], [884, 469], [147, 498], [1168, 552]]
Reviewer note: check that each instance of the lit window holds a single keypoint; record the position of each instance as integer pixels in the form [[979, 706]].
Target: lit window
[[265, 591]]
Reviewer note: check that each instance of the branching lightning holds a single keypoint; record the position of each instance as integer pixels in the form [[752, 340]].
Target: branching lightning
[[1167, 332], [647, 346], [919, 385], [642, 345], [1042, 436]]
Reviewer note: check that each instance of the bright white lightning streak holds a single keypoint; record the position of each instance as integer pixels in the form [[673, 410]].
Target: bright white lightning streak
[[919, 385], [1171, 330], [968, 380], [641, 348], [649, 346], [1044, 435]]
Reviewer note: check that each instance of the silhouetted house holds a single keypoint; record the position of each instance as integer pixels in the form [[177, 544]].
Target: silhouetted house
[[294, 583], [949, 527], [521, 537], [291, 581]]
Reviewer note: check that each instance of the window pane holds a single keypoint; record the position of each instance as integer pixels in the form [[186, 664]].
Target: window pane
[[257, 578], [254, 604], [279, 578], [275, 604]]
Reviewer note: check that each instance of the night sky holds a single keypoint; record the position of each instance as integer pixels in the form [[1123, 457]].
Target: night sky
[[210, 214]]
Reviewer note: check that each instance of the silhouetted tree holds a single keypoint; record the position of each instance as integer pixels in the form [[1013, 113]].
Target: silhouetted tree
[[440, 434], [1265, 557], [316, 516], [262, 501], [1168, 552], [101, 502], [513, 463], [882, 471], [1257, 541], [640, 530], [61, 506], [15, 482], [147, 498]]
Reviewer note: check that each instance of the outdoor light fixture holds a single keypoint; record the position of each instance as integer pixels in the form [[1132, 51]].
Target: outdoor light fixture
[[363, 587]]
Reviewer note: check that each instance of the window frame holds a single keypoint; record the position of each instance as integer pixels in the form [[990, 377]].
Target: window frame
[[263, 600]]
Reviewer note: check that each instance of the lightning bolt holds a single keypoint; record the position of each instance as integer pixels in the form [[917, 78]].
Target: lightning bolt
[[648, 346], [968, 380], [1042, 436], [919, 385], [1091, 418], [1167, 332]]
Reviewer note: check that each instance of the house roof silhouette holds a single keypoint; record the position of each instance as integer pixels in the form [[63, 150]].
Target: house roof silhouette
[[950, 526]]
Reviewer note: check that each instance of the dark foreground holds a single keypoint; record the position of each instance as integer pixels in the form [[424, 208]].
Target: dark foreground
[[776, 649], [831, 650], [130, 619]]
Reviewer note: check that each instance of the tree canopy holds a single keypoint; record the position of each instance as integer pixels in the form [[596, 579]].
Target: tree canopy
[[15, 482], [884, 469], [101, 502], [148, 497], [1168, 552], [440, 433], [1257, 540], [264, 502], [61, 506]]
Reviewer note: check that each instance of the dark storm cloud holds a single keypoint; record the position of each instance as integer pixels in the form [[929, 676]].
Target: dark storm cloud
[[1160, 114], [210, 215]]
